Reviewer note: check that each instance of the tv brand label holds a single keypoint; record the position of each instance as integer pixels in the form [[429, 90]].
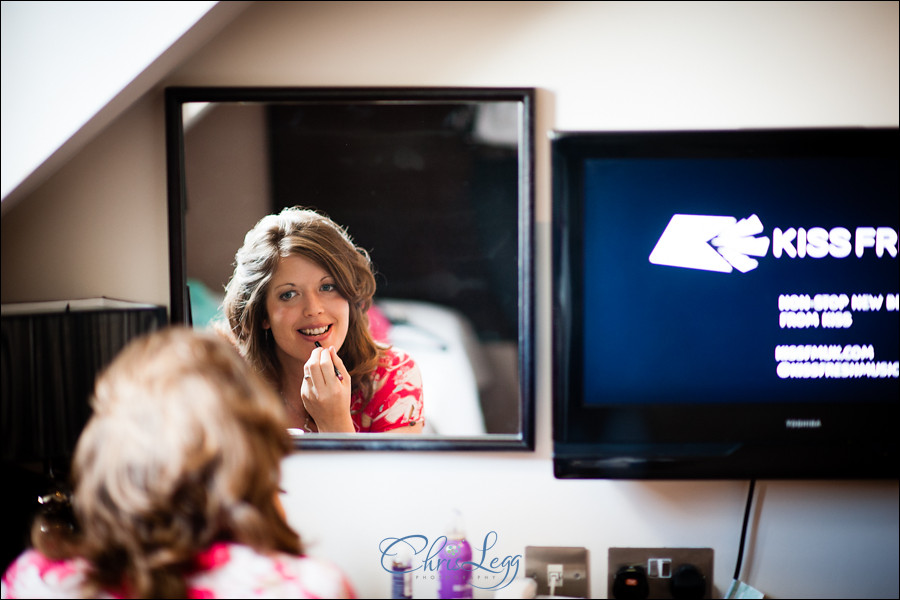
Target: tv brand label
[[722, 244], [803, 423]]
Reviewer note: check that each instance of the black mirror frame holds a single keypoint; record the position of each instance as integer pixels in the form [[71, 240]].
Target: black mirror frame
[[175, 97]]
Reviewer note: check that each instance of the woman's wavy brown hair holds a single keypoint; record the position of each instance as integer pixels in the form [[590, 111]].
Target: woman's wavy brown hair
[[183, 450], [308, 233]]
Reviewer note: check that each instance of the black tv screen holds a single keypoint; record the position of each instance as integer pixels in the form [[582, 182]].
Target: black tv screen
[[725, 304]]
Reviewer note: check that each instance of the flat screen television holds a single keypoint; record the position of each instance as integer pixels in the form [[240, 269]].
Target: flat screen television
[[725, 304]]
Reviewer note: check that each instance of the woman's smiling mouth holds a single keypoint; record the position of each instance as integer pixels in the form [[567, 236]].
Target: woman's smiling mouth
[[316, 331]]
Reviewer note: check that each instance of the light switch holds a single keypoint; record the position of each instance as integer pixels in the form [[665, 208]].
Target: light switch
[[659, 568]]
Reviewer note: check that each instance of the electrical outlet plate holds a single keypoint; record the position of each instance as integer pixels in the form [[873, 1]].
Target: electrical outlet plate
[[574, 562], [660, 564]]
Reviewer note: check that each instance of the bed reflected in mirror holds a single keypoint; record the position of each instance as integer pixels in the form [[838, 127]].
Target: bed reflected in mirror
[[434, 183]]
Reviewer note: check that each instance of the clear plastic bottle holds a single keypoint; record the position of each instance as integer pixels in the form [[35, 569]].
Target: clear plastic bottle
[[454, 574]]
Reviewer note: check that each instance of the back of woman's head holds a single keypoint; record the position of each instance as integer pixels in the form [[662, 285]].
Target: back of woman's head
[[183, 449]]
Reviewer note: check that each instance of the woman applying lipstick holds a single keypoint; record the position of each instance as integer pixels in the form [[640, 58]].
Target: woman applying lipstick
[[297, 308]]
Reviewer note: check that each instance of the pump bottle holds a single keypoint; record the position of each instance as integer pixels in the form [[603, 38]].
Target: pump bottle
[[454, 570]]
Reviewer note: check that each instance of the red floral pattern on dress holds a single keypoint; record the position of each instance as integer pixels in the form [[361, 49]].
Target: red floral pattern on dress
[[225, 570], [397, 401]]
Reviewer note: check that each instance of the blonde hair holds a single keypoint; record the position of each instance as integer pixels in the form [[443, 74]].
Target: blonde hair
[[183, 450], [303, 232]]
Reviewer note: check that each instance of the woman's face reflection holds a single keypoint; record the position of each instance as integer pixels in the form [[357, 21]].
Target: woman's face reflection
[[304, 306]]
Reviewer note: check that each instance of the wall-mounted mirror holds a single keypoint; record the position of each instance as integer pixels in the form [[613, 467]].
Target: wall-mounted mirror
[[435, 183]]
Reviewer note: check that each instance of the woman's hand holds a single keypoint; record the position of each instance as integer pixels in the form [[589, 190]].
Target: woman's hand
[[326, 391]]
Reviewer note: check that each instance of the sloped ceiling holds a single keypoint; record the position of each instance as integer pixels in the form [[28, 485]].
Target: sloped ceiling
[[70, 68]]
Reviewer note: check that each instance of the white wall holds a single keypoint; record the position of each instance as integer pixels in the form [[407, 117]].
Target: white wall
[[62, 84], [98, 228]]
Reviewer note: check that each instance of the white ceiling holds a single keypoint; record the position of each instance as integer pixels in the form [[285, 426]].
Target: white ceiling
[[63, 63]]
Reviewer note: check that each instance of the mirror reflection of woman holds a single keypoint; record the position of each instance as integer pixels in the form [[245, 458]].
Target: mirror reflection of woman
[[297, 309]]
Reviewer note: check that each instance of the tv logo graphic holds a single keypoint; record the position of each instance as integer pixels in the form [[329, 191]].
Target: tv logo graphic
[[711, 243], [722, 244]]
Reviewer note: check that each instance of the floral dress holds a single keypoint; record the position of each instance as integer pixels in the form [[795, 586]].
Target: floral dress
[[225, 570], [397, 401]]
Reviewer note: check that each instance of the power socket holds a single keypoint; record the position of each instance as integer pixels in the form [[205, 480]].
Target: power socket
[[680, 573], [558, 570]]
